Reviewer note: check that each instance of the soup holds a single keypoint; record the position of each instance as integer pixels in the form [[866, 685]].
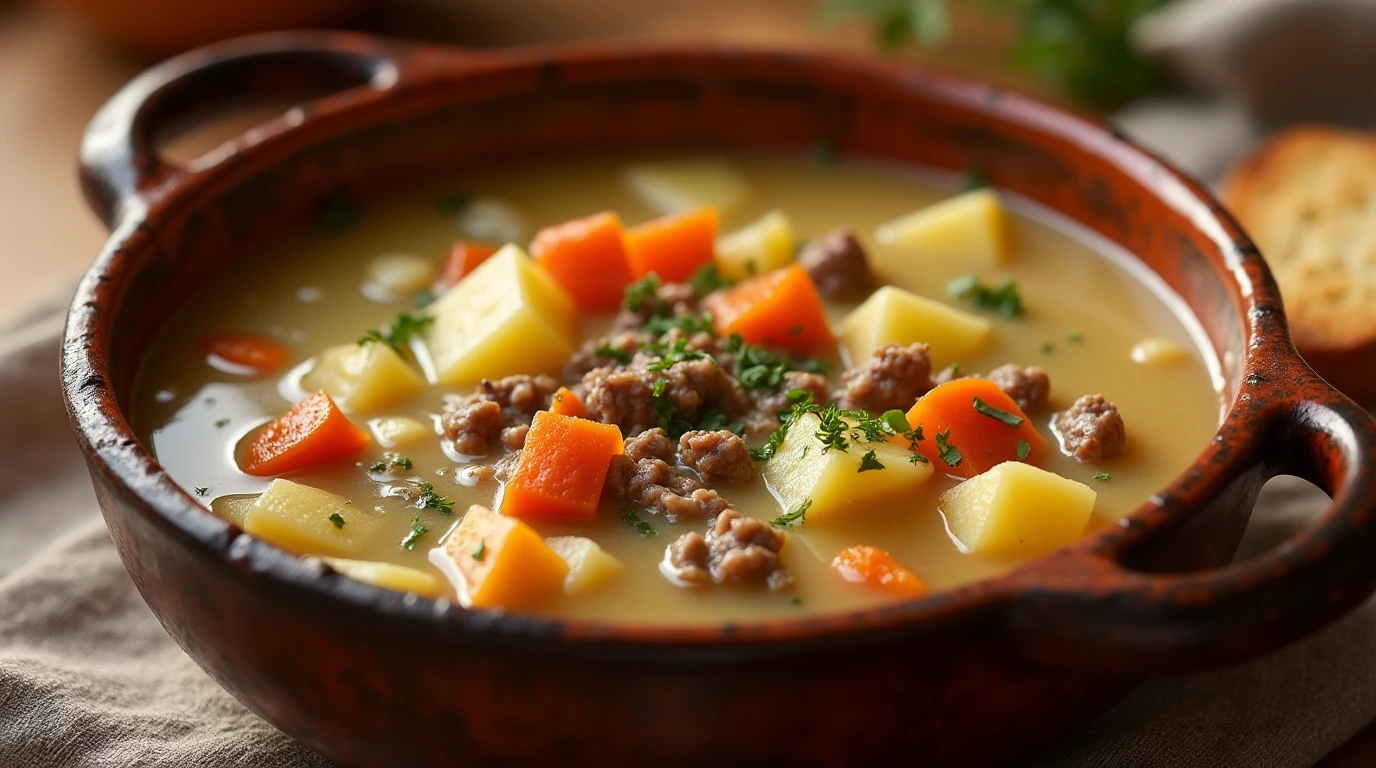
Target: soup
[[779, 388]]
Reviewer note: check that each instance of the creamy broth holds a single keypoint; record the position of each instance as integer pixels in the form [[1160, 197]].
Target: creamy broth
[[1084, 312]]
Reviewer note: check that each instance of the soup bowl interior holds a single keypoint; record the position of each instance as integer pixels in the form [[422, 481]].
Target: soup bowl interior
[[977, 674]]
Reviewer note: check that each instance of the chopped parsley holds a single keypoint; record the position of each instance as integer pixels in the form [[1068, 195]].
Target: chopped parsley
[[707, 279], [1024, 448], [896, 421], [480, 552], [713, 419], [986, 409], [428, 499], [667, 412], [337, 520], [418, 529], [948, 453], [202, 491], [643, 291], [1003, 298], [916, 458], [661, 324], [1048, 348], [1074, 335], [613, 353], [390, 460], [1102, 477], [673, 354], [758, 368], [398, 333], [798, 515], [868, 462], [632, 518], [454, 202], [803, 404], [222, 423]]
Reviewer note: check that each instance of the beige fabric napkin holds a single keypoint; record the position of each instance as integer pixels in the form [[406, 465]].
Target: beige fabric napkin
[[89, 678]]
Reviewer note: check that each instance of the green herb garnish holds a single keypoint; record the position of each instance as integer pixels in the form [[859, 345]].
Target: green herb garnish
[[986, 409], [868, 462], [631, 516], [399, 332], [643, 291], [613, 353], [1003, 298], [667, 412], [222, 423], [796, 516], [795, 412], [1024, 448], [337, 520], [388, 461], [671, 355], [758, 368], [713, 419], [708, 278], [1048, 348], [661, 324], [480, 552], [202, 491], [418, 529], [896, 420], [1102, 476], [948, 453], [428, 499]]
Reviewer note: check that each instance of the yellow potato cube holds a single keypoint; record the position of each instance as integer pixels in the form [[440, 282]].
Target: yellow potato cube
[[495, 561], [675, 186], [233, 508], [971, 227], [310, 521], [1157, 352], [589, 565], [1017, 509], [395, 276], [395, 431], [363, 378], [832, 480], [894, 316], [389, 576], [764, 246], [505, 317]]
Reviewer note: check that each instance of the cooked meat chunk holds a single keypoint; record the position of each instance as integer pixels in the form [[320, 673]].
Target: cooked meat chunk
[[673, 299], [768, 404], [474, 427], [894, 377], [519, 396], [718, 456], [654, 485], [651, 444], [1029, 387], [626, 397], [837, 264], [586, 358], [737, 550], [1091, 429], [514, 438]]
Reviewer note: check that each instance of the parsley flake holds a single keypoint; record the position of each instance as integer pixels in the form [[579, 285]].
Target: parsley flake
[[390, 460], [632, 518], [868, 462], [1102, 477], [428, 499], [795, 412], [643, 292], [948, 453], [709, 278], [480, 552], [222, 423], [671, 355], [1024, 448], [613, 353], [986, 409], [418, 529], [796, 516], [1048, 348], [398, 333], [202, 491], [337, 520], [1003, 298], [896, 420]]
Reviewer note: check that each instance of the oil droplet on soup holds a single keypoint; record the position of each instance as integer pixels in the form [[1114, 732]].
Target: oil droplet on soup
[[1082, 311]]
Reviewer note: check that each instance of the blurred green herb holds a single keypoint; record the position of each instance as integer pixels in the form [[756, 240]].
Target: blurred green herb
[[398, 334], [1003, 298]]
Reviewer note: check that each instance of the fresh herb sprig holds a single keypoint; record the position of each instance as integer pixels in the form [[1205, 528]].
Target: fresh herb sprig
[[631, 516], [796, 517], [418, 529], [946, 450], [398, 333], [390, 460], [429, 499], [758, 368], [985, 409], [1003, 298]]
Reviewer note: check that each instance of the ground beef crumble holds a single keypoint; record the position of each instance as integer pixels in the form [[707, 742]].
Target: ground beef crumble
[[1028, 387], [496, 411], [737, 550], [837, 264], [894, 377], [769, 403], [651, 444], [718, 456], [625, 396], [656, 486], [1091, 429]]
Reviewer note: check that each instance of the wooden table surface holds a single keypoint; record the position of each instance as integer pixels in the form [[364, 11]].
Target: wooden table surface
[[53, 76]]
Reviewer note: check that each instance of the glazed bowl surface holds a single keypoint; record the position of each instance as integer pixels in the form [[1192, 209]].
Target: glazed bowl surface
[[972, 676]]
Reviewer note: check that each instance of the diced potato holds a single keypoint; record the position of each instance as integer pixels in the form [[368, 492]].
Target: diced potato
[[1158, 352], [675, 186], [800, 471], [589, 565], [971, 227], [363, 378], [894, 316], [310, 521], [505, 317], [395, 276], [762, 247], [493, 220], [395, 431], [233, 508], [389, 576], [495, 561], [1017, 509]]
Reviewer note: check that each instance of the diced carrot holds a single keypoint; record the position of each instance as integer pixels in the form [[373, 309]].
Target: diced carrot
[[566, 403], [781, 308], [587, 258], [950, 416], [562, 468], [246, 350], [673, 247], [500, 562], [876, 568], [312, 432], [464, 257]]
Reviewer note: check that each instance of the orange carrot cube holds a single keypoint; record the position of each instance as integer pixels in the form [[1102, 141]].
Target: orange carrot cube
[[562, 468], [587, 258], [673, 247], [313, 432], [781, 308]]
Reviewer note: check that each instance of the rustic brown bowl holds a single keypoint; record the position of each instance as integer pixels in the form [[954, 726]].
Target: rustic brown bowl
[[973, 676]]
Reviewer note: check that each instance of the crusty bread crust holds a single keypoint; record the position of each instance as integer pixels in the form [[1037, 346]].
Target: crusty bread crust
[[1308, 199]]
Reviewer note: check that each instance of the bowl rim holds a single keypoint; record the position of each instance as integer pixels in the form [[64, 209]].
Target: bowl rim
[[113, 449]]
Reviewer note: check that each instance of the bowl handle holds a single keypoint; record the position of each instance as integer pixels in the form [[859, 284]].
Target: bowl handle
[[120, 166], [1095, 610]]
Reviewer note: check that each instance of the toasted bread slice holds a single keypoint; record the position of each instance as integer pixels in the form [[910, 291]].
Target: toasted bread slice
[[1308, 199]]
